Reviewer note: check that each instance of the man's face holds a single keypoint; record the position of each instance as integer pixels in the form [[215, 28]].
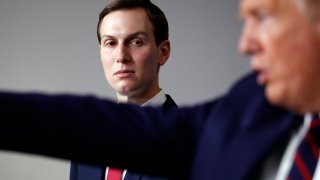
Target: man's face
[[129, 53], [284, 45]]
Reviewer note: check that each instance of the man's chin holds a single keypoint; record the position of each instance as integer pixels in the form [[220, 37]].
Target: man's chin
[[274, 97], [282, 101]]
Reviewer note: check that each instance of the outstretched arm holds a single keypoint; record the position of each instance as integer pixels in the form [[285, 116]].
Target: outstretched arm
[[99, 131]]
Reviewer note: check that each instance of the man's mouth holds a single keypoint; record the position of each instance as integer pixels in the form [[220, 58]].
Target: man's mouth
[[262, 77], [124, 73]]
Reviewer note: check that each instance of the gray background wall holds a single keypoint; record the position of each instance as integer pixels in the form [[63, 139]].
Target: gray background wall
[[51, 46]]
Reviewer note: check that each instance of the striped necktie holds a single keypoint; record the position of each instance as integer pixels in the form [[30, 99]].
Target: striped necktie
[[307, 154]]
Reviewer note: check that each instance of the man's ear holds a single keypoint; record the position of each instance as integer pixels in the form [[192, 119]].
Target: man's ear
[[164, 49]]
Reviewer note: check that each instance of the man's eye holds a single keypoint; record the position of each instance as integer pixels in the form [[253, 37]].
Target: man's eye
[[137, 42], [261, 15], [110, 43]]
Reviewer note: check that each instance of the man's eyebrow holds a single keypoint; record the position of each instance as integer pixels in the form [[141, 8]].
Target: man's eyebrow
[[138, 33], [105, 36], [129, 36]]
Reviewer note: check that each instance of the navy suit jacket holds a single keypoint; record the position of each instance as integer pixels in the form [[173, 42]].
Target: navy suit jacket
[[228, 138], [81, 171]]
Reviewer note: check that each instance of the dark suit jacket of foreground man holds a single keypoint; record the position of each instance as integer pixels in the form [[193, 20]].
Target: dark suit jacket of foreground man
[[228, 138], [81, 171]]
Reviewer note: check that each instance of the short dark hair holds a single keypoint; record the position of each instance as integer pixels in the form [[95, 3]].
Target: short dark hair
[[156, 16]]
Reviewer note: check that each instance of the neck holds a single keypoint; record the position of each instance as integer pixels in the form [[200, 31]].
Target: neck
[[137, 98]]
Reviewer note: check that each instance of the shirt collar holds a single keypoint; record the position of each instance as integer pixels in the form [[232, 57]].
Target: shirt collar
[[156, 100]]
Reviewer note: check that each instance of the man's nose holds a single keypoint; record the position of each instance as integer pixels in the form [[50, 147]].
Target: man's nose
[[248, 41], [122, 54]]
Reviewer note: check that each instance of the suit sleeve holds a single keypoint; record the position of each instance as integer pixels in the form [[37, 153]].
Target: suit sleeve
[[101, 132]]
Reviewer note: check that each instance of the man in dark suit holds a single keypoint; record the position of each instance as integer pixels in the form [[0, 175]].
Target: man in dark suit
[[133, 43], [283, 40], [238, 136]]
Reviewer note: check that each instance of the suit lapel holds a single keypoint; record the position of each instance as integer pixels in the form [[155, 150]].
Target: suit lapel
[[86, 172], [132, 176], [169, 102]]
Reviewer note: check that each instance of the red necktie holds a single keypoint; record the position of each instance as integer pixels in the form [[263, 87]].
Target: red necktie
[[114, 174], [307, 155]]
